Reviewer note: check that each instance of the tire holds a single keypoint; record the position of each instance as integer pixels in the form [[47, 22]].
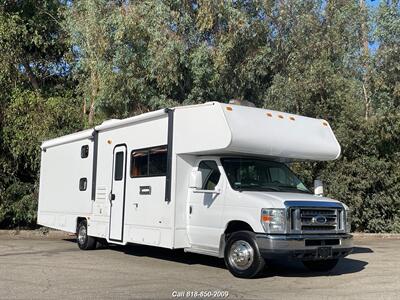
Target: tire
[[242, 256], [102, 243], [320, 265], [84, 241]]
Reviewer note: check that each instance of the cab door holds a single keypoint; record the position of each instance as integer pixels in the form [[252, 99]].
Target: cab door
[[206, 207]]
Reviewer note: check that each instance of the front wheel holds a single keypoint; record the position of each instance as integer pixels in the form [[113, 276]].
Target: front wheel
[[242, 256], [85, 242], [321, 265]]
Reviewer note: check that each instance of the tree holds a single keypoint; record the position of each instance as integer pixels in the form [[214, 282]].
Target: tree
[[32, 42], [65, 65]]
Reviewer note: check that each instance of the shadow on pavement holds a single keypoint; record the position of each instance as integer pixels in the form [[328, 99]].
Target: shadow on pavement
[[281, 268], [297, 269], [277, 268], [357, 250]]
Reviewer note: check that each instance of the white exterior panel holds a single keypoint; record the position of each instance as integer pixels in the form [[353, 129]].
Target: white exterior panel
[[60, 200], [200, 129], [277, 134], [148, 219]]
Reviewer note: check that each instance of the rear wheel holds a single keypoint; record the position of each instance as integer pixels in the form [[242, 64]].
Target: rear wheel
[[321, 265], [242, 256], [85, 242]]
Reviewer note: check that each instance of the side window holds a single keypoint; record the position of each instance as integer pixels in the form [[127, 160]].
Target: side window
[[139, 163], [149, 162], [82, 184], [158, 161], [210, 174], [84, 151], [119, 166]]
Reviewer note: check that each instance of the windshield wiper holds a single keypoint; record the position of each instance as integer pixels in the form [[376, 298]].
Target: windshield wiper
[[258, 187], [293, 187]]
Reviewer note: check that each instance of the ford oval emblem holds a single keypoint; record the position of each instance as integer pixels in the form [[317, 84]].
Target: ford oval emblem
[[319, 219]]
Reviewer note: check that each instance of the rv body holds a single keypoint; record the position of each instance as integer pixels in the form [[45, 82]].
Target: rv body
[[188, 178]]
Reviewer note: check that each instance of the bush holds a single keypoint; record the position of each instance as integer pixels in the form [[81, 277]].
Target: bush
[[367, 176], [18, 206]]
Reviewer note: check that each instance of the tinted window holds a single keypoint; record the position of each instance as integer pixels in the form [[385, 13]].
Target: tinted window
[[85, 151], [278, 175], [158, 161], [139, 163], [149, 162], [119, 166], [261, 175], [82, 184], [210, 174]]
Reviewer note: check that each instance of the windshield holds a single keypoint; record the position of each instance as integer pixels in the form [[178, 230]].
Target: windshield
[[250, 174]]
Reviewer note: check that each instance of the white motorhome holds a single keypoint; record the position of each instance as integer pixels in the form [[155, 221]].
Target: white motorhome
[[209, 178]]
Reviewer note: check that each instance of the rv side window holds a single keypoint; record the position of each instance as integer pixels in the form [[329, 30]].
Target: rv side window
[[158, 161], [149, 162], [119, 166], [82, 184], [210, 174], [139, 163], [84, 151]]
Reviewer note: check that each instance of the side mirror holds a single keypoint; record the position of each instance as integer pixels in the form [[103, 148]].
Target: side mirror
[[318, 187], [196, 180]]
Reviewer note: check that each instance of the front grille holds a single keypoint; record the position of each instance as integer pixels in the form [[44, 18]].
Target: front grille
[[316, 220]]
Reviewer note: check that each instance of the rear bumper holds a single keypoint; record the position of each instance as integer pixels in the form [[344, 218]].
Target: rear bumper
[[303, 247]]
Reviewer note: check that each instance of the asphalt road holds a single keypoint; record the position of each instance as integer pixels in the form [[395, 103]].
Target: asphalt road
[[56, 268]]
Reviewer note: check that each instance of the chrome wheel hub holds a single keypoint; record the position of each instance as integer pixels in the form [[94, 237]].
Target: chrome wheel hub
[[241, 255], [82, 235]]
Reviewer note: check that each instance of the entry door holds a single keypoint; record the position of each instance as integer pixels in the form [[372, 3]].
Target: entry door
[[117, 196], [206, 206]]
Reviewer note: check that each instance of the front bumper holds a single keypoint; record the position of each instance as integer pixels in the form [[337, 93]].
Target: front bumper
[[303, 246]]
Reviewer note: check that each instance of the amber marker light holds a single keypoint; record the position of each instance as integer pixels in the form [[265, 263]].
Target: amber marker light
[[109, 142], [228, 108], [269, 114], [292, 118], [325, 124], [266, 218], [280, 116]]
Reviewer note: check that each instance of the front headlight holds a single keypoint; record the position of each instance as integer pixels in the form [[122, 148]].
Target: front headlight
[[273, 220], [348, 220]]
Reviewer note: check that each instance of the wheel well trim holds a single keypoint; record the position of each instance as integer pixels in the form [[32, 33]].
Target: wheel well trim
[[224, 235]]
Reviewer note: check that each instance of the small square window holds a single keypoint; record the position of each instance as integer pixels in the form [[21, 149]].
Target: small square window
[[82, 184], [85, 151]]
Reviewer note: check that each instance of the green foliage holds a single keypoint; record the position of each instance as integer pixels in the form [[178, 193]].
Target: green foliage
[[367, 176], [65, 65], [30, 119], [18, 206]]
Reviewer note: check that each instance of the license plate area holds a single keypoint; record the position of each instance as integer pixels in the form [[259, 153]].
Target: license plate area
[[324, 252]]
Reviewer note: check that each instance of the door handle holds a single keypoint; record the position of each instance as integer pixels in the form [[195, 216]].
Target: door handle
[[190, 210], [145, 190], [112, 197]]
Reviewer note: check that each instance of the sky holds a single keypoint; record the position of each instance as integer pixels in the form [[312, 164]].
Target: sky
[[373, 4]]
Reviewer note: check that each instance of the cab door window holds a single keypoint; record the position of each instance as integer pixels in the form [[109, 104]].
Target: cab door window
[[210, 174]]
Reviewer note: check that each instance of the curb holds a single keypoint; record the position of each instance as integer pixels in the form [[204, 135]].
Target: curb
[[36, 234], [362, 235]]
